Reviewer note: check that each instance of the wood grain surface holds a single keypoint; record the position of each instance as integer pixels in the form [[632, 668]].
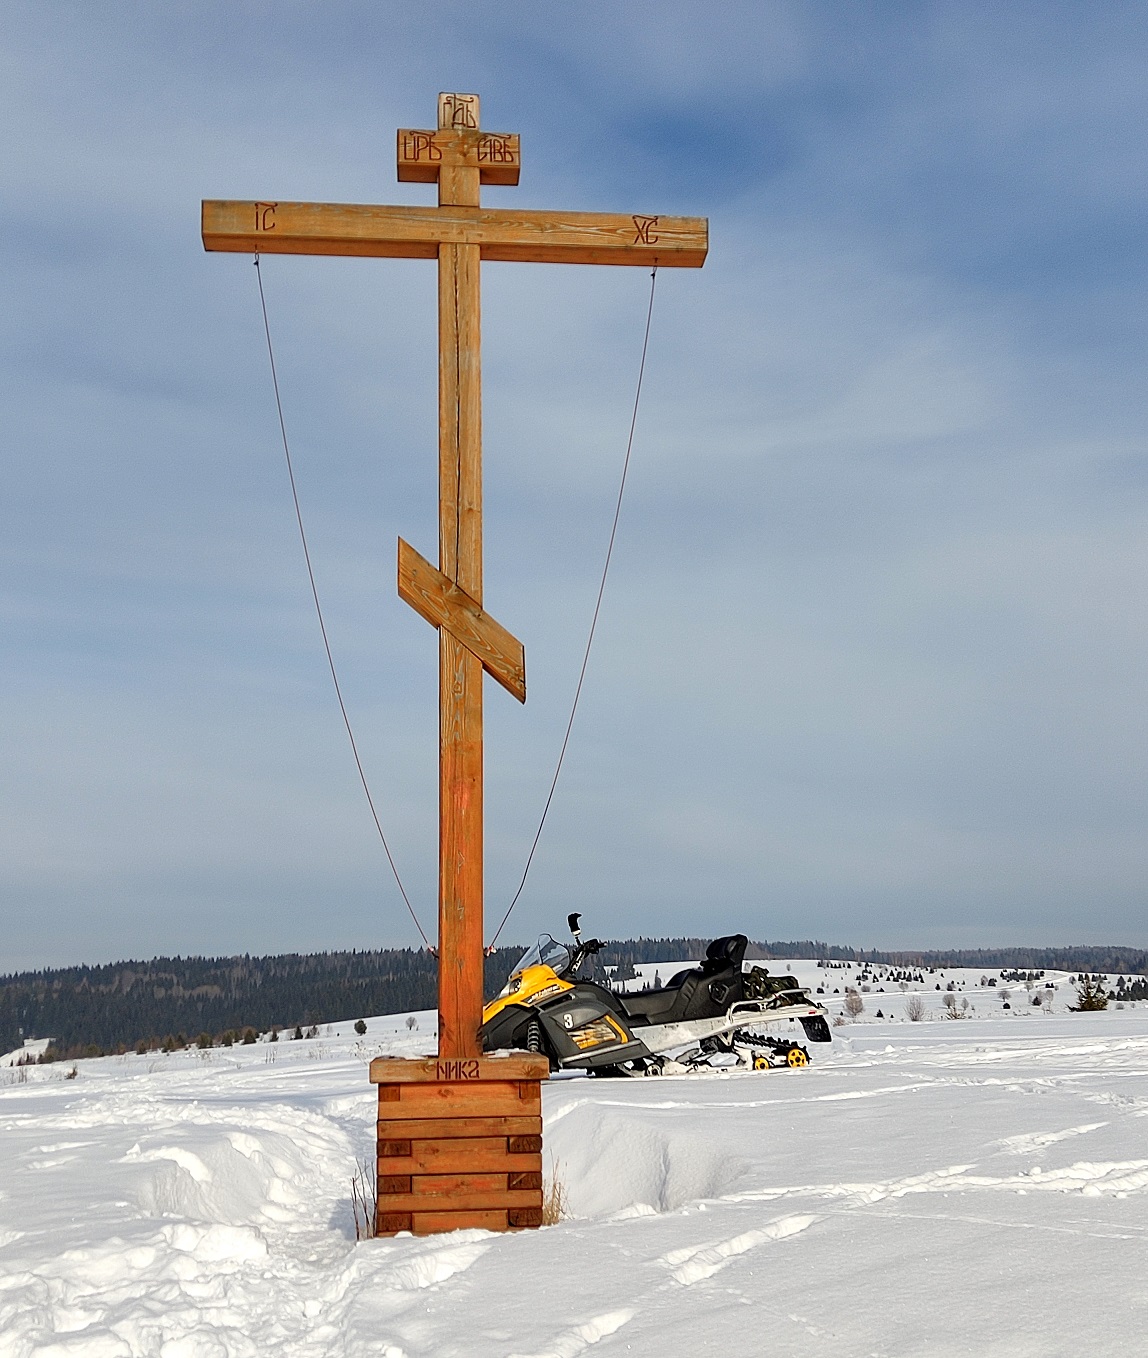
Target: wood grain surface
[[444, 604], [417, 232], [437, 1070], [421, 154]]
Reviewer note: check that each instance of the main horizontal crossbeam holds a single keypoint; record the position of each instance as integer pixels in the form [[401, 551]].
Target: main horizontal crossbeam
[[417, 233]]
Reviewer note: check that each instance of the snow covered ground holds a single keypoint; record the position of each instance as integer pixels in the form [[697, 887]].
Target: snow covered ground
[[932, 1188]]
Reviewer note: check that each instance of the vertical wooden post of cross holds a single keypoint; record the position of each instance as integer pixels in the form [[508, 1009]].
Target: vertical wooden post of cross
[[460, 560]]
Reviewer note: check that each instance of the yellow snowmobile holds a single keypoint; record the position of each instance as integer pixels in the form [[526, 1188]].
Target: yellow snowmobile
[[706, 1015]]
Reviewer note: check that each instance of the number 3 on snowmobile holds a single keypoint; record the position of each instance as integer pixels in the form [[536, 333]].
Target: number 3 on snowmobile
[[708, 1015]]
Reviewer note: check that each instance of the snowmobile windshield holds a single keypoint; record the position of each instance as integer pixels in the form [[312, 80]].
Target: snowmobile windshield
[[545, 953]]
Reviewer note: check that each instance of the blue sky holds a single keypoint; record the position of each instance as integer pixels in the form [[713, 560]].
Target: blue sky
[[873, 656]]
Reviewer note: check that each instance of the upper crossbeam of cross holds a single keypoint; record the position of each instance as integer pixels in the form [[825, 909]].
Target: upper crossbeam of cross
[[459, 157]]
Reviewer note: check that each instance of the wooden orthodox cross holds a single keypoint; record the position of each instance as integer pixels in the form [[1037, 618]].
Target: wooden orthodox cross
[[459, 233]]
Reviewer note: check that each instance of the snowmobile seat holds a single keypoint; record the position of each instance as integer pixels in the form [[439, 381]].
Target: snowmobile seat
[[656, 1006], [678, 998], [723, 953]]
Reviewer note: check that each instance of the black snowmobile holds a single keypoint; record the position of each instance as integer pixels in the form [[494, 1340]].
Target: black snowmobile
[[706, 1015]]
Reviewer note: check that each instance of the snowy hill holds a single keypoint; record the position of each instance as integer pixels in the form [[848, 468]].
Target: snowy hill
[[31, 1050], [933, 1187], [885, 991]]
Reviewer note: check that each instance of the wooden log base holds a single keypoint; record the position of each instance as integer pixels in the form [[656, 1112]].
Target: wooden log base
[[459, 1144]]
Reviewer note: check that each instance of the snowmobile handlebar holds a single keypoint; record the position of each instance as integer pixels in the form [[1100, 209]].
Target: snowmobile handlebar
[[590, 948]]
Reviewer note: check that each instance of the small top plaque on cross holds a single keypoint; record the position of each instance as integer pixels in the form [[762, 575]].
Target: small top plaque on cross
[[460, 157], [458, 110]]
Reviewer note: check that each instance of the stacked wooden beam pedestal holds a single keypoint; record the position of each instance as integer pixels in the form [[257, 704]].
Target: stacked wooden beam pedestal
[[459, 1143]]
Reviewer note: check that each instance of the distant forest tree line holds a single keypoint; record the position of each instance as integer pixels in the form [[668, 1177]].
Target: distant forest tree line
[[116, 1006]]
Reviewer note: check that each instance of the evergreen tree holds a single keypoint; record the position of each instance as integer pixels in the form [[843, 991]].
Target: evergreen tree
[[1090, 994]]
